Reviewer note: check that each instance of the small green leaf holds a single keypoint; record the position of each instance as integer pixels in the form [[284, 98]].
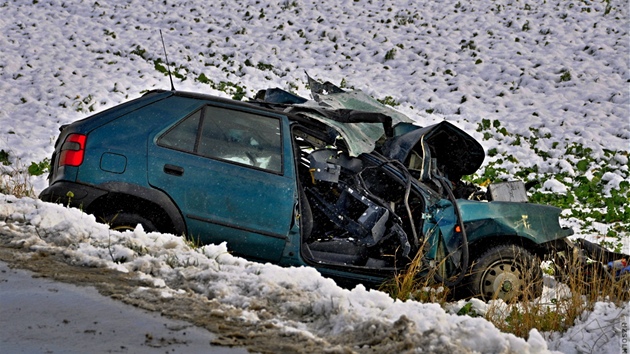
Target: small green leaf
[[582, 165]]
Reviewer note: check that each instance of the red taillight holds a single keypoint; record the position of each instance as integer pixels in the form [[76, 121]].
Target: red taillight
[[72, 150]]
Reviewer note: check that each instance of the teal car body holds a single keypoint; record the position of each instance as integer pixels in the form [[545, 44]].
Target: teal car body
[[341, 182]]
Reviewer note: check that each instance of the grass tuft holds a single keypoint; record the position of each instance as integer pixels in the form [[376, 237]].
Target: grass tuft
[[581, 286], [14, 178]]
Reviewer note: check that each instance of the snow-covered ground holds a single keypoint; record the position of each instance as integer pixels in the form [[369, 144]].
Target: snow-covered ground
[[543, 77], [292, 301]]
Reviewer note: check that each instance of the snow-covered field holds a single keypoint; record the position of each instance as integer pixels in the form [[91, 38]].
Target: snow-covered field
[[543, 87]]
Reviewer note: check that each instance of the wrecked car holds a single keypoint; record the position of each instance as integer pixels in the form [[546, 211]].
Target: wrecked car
[[339, 182]]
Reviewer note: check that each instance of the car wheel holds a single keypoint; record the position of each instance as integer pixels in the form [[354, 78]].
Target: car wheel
[[129, 221], [506, 272]]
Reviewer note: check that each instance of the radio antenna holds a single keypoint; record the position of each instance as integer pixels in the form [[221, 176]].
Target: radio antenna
[[167, 65]]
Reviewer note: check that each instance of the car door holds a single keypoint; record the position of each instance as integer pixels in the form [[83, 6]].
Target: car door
[[230, 171]]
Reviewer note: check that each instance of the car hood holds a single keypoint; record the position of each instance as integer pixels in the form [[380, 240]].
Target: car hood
[[539, 223]]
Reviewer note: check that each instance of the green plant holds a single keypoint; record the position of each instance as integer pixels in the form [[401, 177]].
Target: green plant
[[139, 51], [237, 91], [70, 195], [157, 64], [390, 101], [263, 66], [4, 158], [525, 26], [202, 78], [391, 54], [39, 168], [467, 310], [193, 242], [84, 105]]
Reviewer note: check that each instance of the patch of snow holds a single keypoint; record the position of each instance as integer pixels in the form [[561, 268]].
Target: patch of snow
[[554, 186]]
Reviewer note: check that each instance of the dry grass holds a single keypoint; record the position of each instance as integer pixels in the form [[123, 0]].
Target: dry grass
[[578, 289], [409, 284], [519, 318], [15, 180]]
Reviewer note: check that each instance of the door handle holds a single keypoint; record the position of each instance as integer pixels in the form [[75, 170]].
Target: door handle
[[173, 170]]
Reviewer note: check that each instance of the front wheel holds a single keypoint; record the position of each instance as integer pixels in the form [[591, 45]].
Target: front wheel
[[506, 272]]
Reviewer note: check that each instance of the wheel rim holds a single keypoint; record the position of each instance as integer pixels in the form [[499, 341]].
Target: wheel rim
[[123, 228], [502, 280]]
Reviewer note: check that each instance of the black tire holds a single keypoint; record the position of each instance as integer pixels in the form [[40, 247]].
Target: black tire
[[507, 272], [128, 221]]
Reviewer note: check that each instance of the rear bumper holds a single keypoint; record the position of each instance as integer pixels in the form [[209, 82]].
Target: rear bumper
[[72, 194]]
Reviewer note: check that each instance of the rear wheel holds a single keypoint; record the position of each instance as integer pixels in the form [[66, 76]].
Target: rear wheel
[[506, 272], [128, 221]]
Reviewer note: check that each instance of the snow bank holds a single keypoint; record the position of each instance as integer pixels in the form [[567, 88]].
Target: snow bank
[[299, 299]]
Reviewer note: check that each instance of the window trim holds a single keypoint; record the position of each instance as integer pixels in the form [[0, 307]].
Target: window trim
[[202, 110]]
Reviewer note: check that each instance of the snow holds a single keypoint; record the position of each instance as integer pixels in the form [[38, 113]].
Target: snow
[[299, 298], [600, 321], [613, 180], [557, 72], [555, 186]]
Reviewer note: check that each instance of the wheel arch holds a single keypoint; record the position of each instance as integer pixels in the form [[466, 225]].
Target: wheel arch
[[479, 246], [150, 203]]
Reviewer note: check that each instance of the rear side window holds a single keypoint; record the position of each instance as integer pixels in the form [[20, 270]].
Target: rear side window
[[224, 134], [184, 135]]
